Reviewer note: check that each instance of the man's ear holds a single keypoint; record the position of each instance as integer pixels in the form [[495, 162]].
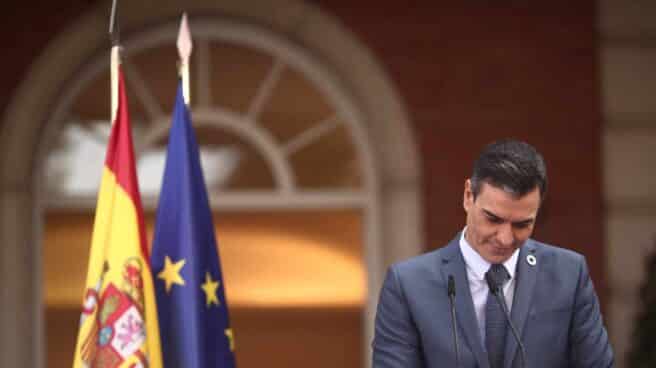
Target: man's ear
[[467, 196]]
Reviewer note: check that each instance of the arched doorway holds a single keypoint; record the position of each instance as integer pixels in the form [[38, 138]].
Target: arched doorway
[[296, 36]]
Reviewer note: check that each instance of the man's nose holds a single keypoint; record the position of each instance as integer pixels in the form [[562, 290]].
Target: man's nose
[[505, 235]]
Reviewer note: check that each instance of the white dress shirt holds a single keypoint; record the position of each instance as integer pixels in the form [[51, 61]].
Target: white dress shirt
[[476, 269]]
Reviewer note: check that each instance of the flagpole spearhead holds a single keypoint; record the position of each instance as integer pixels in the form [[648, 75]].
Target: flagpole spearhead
[[184, 39], [184, 50]]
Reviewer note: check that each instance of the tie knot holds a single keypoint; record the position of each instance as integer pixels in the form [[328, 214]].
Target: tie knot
[[497, 274]]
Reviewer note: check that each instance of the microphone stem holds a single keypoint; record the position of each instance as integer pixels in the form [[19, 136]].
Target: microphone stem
[[455, 330], [501, 300]]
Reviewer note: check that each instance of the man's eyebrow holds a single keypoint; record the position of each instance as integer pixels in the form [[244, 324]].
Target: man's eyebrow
[[499, 218], [524, 222], [493, 216]]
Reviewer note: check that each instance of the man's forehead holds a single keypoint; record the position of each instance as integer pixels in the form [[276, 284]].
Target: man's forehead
[[500, 203]]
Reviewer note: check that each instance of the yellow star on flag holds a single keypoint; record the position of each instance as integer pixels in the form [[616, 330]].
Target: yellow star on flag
[[209, 287], [171, 273]]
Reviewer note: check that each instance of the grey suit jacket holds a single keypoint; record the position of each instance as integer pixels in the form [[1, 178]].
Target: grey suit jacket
[[555, 310]]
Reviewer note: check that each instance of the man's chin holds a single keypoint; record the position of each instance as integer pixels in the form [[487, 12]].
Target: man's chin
[[496, 258]]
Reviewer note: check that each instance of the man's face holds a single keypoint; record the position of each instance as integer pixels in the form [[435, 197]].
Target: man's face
[[497, 222]]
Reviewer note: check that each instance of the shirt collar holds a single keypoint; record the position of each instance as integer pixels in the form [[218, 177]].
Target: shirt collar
[[478, 265]]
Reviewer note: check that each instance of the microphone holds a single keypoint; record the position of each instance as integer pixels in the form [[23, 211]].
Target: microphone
[[498, 293], [451, 291]]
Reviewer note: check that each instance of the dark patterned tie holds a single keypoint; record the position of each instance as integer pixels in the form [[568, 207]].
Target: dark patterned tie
[[496, 326]]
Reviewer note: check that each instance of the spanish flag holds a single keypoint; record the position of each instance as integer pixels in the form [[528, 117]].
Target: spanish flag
[[118, 325]]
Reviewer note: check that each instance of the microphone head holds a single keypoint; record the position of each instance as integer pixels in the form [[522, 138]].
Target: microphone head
[[451, 286], [491, 283]]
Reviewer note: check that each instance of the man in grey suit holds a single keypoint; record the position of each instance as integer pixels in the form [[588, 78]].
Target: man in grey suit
[[497, 273]]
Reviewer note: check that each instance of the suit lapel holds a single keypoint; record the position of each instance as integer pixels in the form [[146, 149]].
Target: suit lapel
[[526, 280], [453, 264]]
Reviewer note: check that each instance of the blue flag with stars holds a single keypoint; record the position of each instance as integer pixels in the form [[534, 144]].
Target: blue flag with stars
[[193, 312]]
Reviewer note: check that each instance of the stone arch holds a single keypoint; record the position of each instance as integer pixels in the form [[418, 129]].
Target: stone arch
[[393, 223]]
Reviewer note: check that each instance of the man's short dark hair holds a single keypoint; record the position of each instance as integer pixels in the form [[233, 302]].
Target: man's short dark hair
[[511, 165]]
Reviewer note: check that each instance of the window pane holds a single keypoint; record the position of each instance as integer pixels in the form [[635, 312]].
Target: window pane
[[283, 273], [328, 163], [295, 105], [299, 258], [236, 74]]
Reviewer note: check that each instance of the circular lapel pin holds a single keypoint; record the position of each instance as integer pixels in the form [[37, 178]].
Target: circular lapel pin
[[530, 259]]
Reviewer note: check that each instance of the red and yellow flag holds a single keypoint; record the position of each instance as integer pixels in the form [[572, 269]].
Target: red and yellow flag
[[118, 325]]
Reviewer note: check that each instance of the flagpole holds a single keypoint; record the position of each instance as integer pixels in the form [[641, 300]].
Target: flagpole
[[184, 50], [114, 60]]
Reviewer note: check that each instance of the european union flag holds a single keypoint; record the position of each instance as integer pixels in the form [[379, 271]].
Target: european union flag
[[193, 313]]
